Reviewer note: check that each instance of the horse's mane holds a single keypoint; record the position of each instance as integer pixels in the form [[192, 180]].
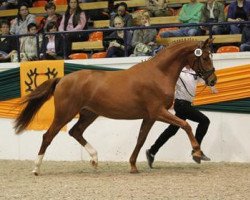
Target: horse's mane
[[172, 44]]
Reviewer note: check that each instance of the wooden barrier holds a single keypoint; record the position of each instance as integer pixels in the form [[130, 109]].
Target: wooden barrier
[[88, 45], [218, 39], [154, 21]]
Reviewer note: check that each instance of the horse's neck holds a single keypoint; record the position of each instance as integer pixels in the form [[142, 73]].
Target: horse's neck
[[171, 60]]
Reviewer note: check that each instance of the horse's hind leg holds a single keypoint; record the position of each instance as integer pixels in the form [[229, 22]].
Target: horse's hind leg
[[144, 130], [85, 119], [47, 139]]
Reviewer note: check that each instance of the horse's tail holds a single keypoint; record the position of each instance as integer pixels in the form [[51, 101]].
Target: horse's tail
[[34, 102]]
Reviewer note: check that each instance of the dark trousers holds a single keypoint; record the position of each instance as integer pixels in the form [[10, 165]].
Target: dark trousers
[[115, 52], [184, 110]]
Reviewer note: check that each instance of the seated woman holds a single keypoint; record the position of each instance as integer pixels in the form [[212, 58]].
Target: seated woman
[[50, 8], [52, 46], [73, 20], [213, 12], [20, 23], [118, 41], [190, 13], [28, 46], [144, 37], [7, 44], [237, 12], [157, 8], [122, 11]]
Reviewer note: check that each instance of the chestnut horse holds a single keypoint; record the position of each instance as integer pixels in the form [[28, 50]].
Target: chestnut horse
[[144, 91]]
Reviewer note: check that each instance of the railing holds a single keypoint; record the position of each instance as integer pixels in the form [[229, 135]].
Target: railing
[[231, 39]]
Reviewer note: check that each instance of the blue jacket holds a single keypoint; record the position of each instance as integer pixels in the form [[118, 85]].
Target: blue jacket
[[233, 6]]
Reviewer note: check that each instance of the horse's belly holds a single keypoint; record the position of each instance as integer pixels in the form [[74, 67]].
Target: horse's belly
[[117, 109]]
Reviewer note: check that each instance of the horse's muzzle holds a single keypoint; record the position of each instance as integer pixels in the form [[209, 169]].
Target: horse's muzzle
[[211, 82]]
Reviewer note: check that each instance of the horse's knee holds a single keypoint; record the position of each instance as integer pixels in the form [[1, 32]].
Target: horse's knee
[[186, 126]]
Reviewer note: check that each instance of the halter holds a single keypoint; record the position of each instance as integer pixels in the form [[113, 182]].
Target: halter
[[201, 72]]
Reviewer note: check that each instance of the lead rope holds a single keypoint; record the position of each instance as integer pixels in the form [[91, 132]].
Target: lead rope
[[190, 92]]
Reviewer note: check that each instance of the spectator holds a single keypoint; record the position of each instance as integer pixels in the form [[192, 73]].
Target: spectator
[[117, 40], [7, 44], [237, 12], [122, 11], [143, 40], [8, 4], [50, 8], [73, 20], [157, 8], [245, 37], [20, 23], [190, 13], [28, 46], [213, 11], [52, 47], [29, 3], [98, 14]]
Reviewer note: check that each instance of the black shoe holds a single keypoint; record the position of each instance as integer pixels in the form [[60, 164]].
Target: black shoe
[[150, 158]]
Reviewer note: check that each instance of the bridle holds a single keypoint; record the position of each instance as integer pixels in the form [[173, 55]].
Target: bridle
[[201, 72]]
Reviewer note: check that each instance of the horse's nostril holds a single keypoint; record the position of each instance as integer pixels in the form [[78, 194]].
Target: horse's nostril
[[212, 83]]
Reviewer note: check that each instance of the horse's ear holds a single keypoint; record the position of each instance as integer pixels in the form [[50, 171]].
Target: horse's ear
[[208, 42]]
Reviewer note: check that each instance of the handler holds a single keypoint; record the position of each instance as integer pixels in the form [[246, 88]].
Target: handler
[[184, 95]]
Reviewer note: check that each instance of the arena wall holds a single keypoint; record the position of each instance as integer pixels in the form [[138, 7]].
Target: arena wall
[[227, 139]]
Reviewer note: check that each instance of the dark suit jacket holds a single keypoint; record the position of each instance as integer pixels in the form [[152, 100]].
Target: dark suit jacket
[[58, 45]]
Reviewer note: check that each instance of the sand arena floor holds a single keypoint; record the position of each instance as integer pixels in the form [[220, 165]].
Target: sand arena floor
[[78, 180]]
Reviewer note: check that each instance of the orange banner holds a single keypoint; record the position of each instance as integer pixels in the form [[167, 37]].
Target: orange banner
[[32, 74], [233, 83]]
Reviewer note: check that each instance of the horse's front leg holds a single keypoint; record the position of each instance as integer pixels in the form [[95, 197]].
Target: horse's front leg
[[144, 130], [166, 116]]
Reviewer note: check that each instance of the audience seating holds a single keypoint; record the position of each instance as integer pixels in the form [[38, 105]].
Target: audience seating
[[89, 6], [166, 29], [153, 21], [228, 49], [88, 45], [99, 55], [96, 36], [39, 3], [38, 20], [78, 56], [95, 39], [60, 2]]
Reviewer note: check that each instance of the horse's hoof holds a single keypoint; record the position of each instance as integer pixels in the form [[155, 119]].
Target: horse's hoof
[[36, 173], [94, 163], [197, 159], [134, 171]]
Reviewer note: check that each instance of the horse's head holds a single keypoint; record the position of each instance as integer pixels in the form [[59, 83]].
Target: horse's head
[[201, 62]]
